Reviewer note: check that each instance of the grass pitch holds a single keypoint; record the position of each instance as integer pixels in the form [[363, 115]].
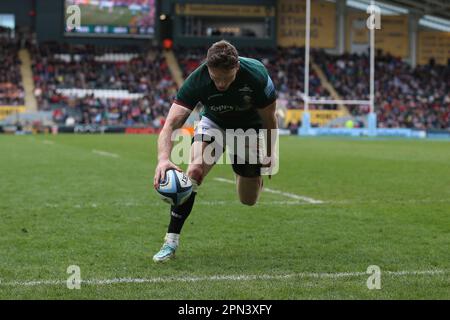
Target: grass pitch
[[386, 203]]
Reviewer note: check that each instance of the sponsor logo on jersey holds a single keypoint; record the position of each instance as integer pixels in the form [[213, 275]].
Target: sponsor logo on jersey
[[245, 88], [222, 108]]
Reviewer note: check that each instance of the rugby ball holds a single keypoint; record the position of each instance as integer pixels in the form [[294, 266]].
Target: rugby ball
[[176, 187]]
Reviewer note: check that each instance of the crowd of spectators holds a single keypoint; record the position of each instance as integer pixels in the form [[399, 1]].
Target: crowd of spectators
[[405, 97], [417, 98], [64, 67], [11, 88]]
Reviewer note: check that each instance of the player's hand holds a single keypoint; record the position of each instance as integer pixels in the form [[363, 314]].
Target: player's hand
[[160, 172]]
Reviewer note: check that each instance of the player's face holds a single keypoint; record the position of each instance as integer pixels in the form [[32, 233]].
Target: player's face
[[222, 78]]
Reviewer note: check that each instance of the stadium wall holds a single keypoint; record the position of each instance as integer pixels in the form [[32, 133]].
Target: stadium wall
[[115, 129], [21, 9], [364, 132], [168, 8]]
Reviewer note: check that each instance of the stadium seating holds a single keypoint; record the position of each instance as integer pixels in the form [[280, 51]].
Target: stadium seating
[[88, 84], [11, 89], [131, 88], [406, 98]]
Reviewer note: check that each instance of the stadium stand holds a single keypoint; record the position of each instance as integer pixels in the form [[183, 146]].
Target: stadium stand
[[125, 85], [89, 84], [96, 85], [11, 88], [416, 98]]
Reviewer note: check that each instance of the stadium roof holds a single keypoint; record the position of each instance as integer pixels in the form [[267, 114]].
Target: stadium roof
[[435, 13], [440, 8]]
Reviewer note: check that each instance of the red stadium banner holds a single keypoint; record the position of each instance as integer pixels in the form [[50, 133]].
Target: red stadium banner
[[131, 130]]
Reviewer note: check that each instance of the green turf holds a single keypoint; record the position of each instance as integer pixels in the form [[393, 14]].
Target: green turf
[[387, 203]]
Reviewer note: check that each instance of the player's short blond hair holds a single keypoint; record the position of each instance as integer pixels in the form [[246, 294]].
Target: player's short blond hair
[[222, 55]]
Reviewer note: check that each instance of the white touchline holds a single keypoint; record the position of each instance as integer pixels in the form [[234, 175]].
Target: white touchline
[[294, 196], [232, 202], [242, 277], [106, 154], [236, 202], [48, 142], [164, 205], [286, 194]]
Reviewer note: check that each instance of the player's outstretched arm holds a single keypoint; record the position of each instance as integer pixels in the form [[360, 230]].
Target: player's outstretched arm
[[175, 119]]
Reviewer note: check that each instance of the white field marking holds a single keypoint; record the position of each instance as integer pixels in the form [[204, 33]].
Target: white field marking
[[48, 142], [273, 203], [388, 202], [120, 204], [286, 194], [105, 154], [164, 205], [241, 277]]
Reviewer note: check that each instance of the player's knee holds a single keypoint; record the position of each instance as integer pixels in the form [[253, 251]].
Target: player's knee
[[196, 173]]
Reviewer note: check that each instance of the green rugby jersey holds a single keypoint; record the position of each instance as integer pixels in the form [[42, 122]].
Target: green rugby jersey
[[237, 106]]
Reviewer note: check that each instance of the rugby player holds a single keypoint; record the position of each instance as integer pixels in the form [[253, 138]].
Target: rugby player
[[236, 93]]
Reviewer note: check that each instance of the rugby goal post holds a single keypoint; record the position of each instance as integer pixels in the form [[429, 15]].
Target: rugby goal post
[[372, 118]]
